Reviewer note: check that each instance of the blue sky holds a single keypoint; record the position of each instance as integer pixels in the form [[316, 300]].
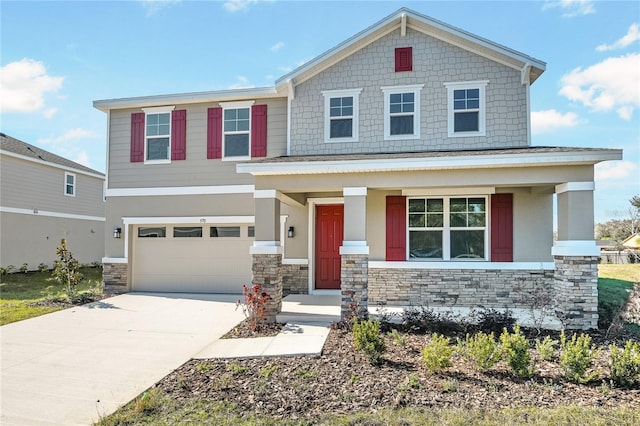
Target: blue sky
[[58, 57]]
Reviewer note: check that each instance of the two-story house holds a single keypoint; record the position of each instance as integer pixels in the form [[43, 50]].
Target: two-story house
[[43, 199], [396, 167]]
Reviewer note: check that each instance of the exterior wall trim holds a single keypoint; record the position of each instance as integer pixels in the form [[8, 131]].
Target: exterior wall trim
[[187, 219], [50, 164], [490, 266], [575, 186], [36, 212], [295, 261], [180, 190], [354, 191], [575, 248], [115, 260], [480, 190]]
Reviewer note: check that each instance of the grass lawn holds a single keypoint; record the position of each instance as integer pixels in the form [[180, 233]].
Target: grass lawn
[[615, 283], [19, 290]]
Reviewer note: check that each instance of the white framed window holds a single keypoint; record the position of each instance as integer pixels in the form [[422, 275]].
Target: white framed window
[[402, 112], [466, 108], [224, 232], [187, 231], [447, 228], [69, 184], [341, 112], [157, 134], [236, 130]]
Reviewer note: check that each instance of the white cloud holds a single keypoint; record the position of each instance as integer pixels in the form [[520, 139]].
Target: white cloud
[[632, 35], [237, 5], [279, 45], [23, 85], [154, 6], [49, 112], [241, 83], [616, 170], [571, 8], [612, 83], [551, 120], [82, 158], [70, 135], [70, 144]]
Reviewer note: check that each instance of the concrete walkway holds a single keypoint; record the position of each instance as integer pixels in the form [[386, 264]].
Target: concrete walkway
[[73, 366]]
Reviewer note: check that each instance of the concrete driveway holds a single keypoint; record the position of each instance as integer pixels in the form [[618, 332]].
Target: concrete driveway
[[73, 366]]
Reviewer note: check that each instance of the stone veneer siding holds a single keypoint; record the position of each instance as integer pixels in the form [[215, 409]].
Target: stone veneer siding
[[576, 282], [354, 285], [267, 273], [496, 289], [114, 276], [295, 279]]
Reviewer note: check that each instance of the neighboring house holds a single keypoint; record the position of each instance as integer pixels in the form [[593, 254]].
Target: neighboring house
[[44, 198], [394, 168]]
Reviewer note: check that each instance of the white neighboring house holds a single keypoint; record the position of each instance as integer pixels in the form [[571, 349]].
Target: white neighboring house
[[44, 198]]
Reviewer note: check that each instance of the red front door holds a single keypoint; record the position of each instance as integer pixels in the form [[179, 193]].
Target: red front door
[[329, 234]]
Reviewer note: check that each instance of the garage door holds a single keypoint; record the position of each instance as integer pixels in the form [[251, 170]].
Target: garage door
[[192, 259]]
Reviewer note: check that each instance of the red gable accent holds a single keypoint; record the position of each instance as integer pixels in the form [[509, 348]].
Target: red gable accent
[[502, 228], [137, 137], [396, 228], [259, 131], [214, 133], [404, 59], [179, 135]]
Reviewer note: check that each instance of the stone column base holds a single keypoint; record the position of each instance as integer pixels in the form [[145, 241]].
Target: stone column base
[[267, 273], [114, 277], [354, 270], [576, 289]]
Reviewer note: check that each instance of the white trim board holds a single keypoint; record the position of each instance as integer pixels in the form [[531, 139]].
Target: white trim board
[[490, 266], [187, 219], [36, 212], [180, 190]]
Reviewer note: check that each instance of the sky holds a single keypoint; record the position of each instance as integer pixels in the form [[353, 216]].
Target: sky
[[57, 57]]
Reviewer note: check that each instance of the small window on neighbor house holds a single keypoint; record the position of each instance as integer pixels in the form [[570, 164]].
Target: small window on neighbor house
[[404, 59], [187, 231], [341, 115], [152, 232], [70, 184], [224, 231], [251, 232]]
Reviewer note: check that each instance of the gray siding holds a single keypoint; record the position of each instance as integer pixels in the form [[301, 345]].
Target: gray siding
[[29, 185], [434, 63], [196, 170]]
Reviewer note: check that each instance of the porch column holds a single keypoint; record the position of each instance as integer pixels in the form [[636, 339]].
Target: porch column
[[576, 257], [267, 250], [354, 255]]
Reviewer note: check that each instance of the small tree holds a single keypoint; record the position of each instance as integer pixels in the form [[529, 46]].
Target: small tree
[[255, 302], [65, 270]]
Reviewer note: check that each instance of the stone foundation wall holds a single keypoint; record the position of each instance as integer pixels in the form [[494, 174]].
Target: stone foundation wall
[[266, 270], [576, 283], [295, 279], [354, 284], [496, 289], [114, 276]]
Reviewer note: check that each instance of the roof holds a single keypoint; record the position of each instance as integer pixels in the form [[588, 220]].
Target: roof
[[23, 149], [406, 18], [403, 18], [429, 160], [633, 242]]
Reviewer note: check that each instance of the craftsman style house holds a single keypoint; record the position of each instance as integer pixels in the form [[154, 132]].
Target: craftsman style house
[[396, 167], [43, 199]]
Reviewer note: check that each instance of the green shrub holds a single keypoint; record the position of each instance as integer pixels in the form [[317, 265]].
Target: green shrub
[[576, 357], [24, 268], [482, 350], [625, 364], [515, 347], [367, 339], [6, 269], [66, 272], [43, 267], [436, 356], [546, 348], [397, 338]]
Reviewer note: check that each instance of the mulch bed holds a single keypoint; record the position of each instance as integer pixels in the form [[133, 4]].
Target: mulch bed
[[341, 381], [244, 330]]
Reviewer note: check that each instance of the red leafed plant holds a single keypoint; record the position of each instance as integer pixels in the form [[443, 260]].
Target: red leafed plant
[[254, 305]]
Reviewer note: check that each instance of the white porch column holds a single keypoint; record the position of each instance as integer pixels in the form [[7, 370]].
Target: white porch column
[[354, 254]]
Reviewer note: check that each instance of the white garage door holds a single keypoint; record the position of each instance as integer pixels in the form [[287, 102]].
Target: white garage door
[[192, 259]]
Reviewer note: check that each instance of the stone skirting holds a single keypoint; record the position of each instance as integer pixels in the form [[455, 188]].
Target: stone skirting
[[295, 279], [354, 285], [114, 276], [267, 273], [576, 283], [497, 289]]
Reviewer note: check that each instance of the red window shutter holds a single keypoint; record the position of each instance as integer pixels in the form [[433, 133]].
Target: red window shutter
[[404, 59], [214, 133], [179, 135], [259, 131], [137, 137], [396, 228], [502, 228]]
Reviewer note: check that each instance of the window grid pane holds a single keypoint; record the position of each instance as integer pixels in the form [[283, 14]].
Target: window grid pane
[[224, 231], [187, 231], [152, 232]]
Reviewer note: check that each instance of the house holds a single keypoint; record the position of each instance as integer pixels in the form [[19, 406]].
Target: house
[[395, 168], [43, 199]]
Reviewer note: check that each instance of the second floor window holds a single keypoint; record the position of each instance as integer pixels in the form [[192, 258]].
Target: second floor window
[[341, 115], [158, 132], [466, 105], [236, 132], [402, 112], [70, 184]]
